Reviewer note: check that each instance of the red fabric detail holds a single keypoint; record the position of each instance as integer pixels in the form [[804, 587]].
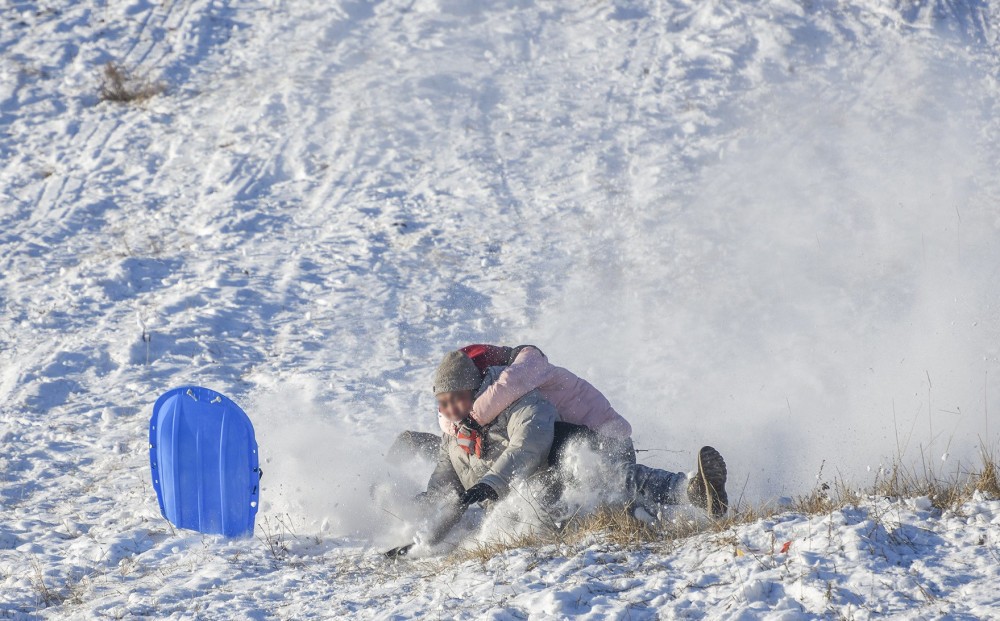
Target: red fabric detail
[[486, 355], [470, 441]]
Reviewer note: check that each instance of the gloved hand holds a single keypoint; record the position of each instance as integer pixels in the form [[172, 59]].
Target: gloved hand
[[399, 552], [478, 493], [470, 437]]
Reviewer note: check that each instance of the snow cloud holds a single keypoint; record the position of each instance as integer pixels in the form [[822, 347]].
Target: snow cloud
[[320, 474], [828, 291]]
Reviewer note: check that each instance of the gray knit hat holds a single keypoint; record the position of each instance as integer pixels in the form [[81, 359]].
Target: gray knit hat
[[456, 372]]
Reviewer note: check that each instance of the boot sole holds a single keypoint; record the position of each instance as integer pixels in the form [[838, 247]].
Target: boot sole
[[712, 476]]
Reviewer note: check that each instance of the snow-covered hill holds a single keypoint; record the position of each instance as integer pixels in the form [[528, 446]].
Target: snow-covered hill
[[772, 227]]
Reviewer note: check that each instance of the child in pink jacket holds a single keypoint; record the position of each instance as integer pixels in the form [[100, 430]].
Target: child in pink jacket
[[584, 413], [527, 369]]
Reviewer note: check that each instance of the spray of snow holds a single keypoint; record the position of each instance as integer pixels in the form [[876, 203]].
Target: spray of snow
[[822, 293], [827, 293], [321, 473]]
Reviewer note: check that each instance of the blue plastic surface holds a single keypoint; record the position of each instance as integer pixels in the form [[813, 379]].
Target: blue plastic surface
[[203, 456]]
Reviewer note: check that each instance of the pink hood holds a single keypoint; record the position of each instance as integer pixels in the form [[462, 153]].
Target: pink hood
[[575, 399]]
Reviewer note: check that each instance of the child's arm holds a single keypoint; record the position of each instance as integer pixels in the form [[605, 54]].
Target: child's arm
[[530, 430], [526, 373]]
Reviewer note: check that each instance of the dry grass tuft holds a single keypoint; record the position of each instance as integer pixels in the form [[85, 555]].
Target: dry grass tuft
[[483, 552], [743, 514], [986, 480], [826, 497], [71, 592], [121, 85], [616, 525], [276, 533], [948, 492]]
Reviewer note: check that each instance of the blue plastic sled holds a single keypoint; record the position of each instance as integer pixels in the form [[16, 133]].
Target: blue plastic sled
[[203, 456]]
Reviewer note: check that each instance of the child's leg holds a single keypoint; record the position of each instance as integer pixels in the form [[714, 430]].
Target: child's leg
[[653, 488], [410, 444], [646, 487]]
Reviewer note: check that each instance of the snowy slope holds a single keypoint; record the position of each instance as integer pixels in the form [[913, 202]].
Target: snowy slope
[[768, 226]]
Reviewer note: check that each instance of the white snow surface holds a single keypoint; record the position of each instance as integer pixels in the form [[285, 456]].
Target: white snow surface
[[771, 227]]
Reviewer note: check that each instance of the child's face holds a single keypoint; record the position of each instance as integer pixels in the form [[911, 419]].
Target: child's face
[[455, 406]]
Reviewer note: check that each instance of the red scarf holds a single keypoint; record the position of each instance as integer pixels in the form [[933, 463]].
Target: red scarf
[[469, 440]]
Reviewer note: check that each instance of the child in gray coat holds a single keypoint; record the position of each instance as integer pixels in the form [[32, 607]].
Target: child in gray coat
[[478, 463]]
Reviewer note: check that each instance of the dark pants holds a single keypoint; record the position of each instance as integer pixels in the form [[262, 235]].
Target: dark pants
[[411, 444], [647, 487]]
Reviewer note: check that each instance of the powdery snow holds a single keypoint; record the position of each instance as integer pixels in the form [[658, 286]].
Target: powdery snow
[[771, 227]]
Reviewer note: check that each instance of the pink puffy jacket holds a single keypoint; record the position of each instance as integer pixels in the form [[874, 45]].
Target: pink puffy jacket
[[576, 400]]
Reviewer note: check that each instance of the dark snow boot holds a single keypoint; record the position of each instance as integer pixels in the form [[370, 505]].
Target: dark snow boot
[[708, 487]]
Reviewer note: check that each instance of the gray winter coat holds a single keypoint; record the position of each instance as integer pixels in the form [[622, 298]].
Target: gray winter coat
[[516, 445]]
